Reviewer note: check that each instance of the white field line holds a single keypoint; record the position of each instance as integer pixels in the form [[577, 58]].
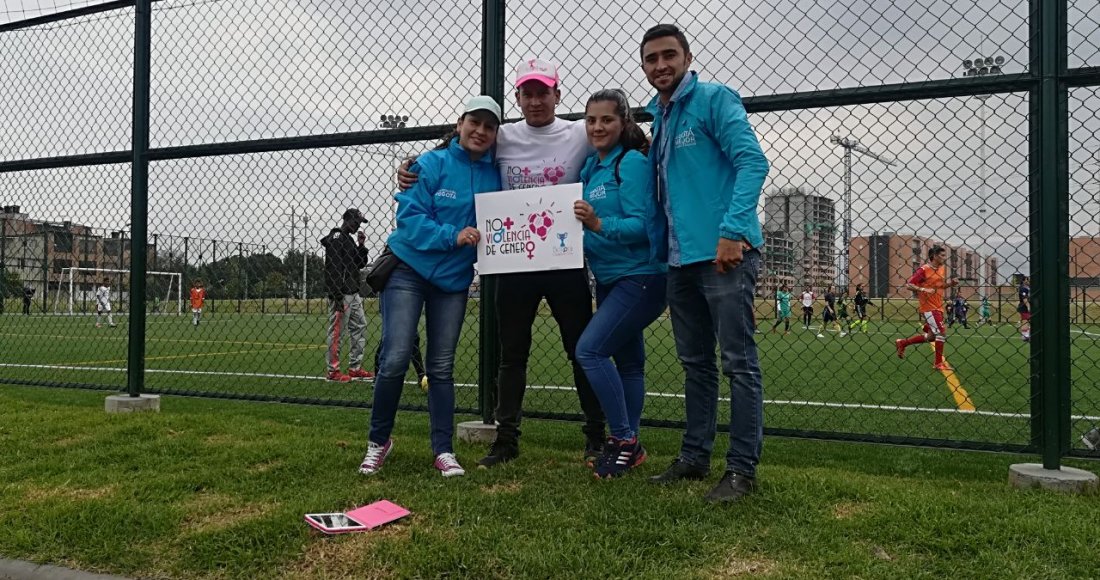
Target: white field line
[[786, 402]]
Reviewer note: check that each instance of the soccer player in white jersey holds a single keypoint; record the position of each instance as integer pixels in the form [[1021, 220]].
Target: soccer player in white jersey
[[808, 298], [103, 304]]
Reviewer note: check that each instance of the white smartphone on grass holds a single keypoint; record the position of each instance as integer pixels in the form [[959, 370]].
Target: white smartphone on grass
[[335, 523]]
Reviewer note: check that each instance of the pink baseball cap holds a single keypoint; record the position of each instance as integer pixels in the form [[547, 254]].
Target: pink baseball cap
[[537, 69]]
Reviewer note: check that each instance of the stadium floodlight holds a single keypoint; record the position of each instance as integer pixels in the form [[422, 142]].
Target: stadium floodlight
[[982, 66], [393, 121]]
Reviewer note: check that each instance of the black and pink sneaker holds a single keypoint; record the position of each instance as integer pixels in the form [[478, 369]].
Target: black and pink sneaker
[[619, 456], [375, 457]]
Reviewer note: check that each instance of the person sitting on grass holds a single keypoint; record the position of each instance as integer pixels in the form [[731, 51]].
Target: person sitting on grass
[[436, 242]]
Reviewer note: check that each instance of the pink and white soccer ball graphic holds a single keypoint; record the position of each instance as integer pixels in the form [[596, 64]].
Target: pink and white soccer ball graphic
[[553, 174], [540, 223]]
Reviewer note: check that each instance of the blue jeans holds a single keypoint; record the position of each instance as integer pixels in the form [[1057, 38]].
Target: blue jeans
[[624, 309], [405, 295], [706, 306]]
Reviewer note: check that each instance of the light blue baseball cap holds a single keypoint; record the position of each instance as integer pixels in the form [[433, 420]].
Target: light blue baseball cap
[[483, 103]]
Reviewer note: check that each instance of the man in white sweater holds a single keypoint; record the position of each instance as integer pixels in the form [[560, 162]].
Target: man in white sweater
[[542, 150]]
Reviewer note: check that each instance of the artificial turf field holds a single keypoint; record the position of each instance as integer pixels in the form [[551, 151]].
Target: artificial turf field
[[853, 384]]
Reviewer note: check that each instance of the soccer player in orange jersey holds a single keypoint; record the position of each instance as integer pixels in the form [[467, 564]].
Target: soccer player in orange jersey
[[198, 298], [929, 283]]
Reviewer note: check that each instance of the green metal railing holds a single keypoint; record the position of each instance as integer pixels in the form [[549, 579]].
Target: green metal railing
[[1046, 83]]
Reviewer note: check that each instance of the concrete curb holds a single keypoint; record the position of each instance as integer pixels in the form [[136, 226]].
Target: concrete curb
[[20, 570]]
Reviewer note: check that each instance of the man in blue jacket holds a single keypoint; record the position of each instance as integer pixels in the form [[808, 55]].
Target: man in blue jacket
[[710, 170]]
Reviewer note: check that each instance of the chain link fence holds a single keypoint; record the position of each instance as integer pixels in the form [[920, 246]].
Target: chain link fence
[[890, 128]]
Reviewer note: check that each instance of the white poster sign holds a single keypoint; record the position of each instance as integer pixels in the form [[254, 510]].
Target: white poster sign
[[529, 230]]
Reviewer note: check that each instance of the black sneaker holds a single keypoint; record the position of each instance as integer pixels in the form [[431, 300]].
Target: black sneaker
[[731, 488], [501, 451], [593, 449], [680, 470], [619, 456]]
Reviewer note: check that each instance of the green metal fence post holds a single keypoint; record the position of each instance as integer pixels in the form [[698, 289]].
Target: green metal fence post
[[45, 270], [213, 260], [1049, 232], [240, 273], [183, 267], [492, 84], [3, 260], [139, 197]]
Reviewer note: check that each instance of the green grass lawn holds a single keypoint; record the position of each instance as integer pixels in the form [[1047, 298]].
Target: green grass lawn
[[853, 384], [217, 489]]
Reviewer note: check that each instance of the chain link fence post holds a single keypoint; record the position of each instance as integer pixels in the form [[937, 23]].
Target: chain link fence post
[[492, 84], [1049, 176], [139, 200]]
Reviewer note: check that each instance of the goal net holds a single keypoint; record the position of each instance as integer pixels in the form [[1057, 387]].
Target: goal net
[[76, 291]]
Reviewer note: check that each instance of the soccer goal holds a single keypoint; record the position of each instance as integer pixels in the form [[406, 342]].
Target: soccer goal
[[77, 286]]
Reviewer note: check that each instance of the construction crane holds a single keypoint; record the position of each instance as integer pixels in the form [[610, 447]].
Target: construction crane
[[850, 145]]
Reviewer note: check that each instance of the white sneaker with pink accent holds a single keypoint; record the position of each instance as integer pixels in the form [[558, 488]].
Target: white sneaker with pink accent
[[448, 465], [375, 457]]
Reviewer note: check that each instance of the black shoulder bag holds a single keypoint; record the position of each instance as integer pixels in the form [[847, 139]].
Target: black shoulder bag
[[381, 269]]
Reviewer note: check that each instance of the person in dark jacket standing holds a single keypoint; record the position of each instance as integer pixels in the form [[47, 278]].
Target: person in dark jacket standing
[[343, 260], [28, 295]]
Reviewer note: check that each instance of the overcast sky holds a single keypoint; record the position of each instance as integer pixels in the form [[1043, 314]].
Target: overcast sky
[[247, 69]]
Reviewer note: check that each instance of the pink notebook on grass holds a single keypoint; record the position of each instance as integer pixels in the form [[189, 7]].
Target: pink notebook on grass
[[359, 519]]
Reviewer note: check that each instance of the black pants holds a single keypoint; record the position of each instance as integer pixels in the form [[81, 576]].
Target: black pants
[[518, 298], [807, 315], [27, 307]]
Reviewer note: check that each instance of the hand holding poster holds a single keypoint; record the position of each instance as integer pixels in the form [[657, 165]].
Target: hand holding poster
[[529, 230]]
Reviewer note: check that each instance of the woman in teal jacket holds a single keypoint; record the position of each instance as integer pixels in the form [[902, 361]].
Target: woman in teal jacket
[[623, 243], [436, 242]]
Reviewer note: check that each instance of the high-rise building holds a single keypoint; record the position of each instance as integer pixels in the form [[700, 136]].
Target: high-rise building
[[807, 222], [778, 268]]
